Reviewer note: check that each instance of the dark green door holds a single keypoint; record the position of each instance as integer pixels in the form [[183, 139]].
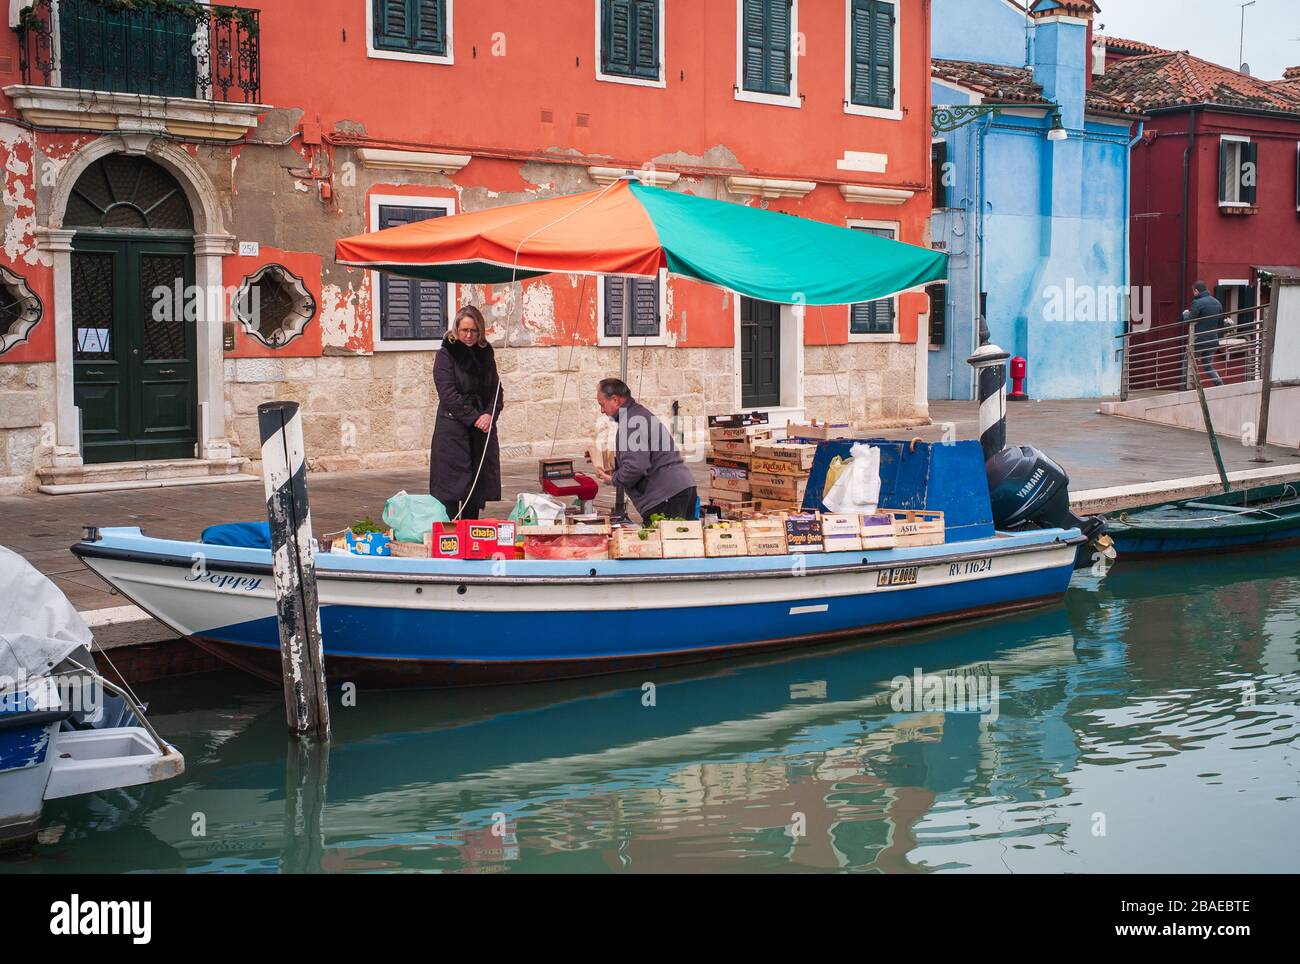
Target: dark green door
[[760, 353], [137, 49], [134, 345]]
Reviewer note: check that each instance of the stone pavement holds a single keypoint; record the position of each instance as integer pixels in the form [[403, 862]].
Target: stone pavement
[[1098, 451]]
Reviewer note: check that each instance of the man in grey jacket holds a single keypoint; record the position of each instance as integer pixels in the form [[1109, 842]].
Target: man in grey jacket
[[648, 465], [1206, 338]]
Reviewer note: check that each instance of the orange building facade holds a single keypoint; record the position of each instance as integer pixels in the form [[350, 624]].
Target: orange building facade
[[175, 178]]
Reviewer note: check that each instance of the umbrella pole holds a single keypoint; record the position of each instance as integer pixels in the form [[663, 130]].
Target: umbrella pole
[[620, 503]]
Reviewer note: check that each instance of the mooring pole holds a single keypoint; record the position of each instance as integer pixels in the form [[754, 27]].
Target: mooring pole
[[1266, 372], [1194, 365], [990, 364], [284, 477]]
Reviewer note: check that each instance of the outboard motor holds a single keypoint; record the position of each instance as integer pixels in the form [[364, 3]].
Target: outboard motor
[[1028, 490]]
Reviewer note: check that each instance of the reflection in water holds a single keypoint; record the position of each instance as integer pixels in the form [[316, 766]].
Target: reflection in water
[[1150, 723]]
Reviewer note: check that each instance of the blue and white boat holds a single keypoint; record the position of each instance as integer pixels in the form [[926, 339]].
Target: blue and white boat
[[64, 729], [396, 621]]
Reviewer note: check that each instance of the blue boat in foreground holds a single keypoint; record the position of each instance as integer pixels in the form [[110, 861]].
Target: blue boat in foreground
[[401, 621]]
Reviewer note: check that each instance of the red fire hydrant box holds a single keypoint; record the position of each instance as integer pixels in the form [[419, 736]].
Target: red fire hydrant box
[[473, 539]]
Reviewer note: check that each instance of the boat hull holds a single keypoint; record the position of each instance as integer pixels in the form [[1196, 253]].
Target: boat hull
[[423, 622], [1211, 524]]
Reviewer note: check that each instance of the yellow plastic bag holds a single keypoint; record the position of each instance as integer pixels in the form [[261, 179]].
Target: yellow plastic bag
[[837, 467]]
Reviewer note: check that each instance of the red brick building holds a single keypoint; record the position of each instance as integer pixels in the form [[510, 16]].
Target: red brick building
[[176, 145], [1216, 176]]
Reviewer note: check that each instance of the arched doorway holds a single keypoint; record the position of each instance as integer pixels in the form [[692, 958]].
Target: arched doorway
[[133, 312]]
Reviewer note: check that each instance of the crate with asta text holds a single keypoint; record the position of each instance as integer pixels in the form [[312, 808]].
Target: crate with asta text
[[917, 527], [682, 539]]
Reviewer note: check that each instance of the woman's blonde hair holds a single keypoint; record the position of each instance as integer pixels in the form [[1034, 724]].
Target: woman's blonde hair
[[469, 311]]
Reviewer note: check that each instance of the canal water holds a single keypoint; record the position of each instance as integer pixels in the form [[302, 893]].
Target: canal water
[[1150, 723]]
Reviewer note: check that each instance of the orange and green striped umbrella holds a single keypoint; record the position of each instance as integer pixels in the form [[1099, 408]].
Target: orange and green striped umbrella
[[632, 229]]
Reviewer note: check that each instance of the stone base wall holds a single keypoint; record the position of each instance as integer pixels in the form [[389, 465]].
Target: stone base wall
[[373, 411], [867, 384], [26, 423]]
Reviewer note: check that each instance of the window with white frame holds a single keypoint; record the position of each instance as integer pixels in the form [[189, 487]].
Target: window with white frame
[[1238, 171], [874, 320], [767, 57], [630, 41], [409, 30], [871, 58], [409, 314], [642, 300]]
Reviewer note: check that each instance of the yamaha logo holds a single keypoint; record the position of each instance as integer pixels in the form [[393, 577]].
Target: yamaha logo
[[1029, 486]]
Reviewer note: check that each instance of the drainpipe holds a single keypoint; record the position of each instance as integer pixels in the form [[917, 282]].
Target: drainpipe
[[1192, 120]]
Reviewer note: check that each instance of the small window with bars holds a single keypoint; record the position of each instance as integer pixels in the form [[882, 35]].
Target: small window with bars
[[873, 317], [873, 81], [418, 27], [765, 43], [410, 310], [641, 296], [629, 39]]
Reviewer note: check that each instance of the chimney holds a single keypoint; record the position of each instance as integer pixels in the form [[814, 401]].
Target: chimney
[[1063, 54]]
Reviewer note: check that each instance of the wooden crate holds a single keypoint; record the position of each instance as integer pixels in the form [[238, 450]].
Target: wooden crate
[[734, 462], [682, 539], [842, 532], [626, 542], [731, 483], [822, 431], [803, 533], [598, 528], [878, 531], [724, 542], [729, 496], [739, 433], [765, 536], [412, 550], [738, 419], [786, 488], [737, 448], [917, 527], [788, 458], [777, 505]]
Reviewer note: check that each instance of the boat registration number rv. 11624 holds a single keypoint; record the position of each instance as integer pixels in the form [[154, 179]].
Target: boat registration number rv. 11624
[[901, 576]]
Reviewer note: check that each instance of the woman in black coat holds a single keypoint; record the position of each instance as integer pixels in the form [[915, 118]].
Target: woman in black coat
[[465, 375]]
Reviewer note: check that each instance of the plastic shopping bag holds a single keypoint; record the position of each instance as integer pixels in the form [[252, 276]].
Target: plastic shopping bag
[[411, 516], [857, 489], [537, 509]]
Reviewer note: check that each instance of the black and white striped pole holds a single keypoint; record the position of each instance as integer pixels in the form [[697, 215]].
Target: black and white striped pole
[[990, 364], [302, 658]]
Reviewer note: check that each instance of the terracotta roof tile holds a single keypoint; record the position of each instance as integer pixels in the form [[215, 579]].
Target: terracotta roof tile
[[1175, 78], [1125, 46], [998, 84]]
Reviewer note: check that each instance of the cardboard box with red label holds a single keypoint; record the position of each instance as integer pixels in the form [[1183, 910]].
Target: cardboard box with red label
[[473, 539]]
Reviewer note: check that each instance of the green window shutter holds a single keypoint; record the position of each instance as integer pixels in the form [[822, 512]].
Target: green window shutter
[[873, 317], [766, 44], [1225, 175], [645, 307], [871, 53], [1249, 172], [629, 32], [410, 309], [411, 26]]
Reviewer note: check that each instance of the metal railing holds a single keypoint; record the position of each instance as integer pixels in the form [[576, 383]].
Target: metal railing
[[1229, 349], [166, 48]]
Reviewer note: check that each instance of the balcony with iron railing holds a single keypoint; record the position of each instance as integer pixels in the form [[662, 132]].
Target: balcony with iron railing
[[190, 68], [1227, 348]]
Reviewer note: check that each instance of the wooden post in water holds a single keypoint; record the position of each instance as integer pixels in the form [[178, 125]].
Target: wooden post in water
[[302, 659], [1266, 372], [1194, 364]]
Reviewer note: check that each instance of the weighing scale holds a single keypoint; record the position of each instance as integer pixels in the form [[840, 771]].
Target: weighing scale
[[558, 478]]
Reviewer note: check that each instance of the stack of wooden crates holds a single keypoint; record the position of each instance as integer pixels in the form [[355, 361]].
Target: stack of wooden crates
[[732, 440], [778, 475]]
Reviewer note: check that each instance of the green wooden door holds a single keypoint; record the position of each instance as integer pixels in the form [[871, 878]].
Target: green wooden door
[[760, 353], [138, 49], [134, 348]]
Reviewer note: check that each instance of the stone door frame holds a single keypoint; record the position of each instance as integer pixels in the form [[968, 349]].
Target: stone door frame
[[211, 243]]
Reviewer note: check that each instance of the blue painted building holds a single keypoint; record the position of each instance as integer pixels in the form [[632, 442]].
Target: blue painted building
[[1031, 203]]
